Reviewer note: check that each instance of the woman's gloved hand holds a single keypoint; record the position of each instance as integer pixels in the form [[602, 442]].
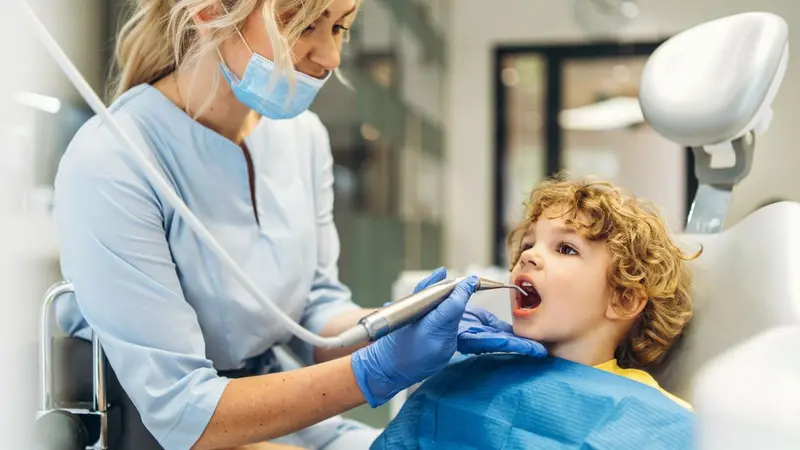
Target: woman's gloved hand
[[414, 352], [480, 331]]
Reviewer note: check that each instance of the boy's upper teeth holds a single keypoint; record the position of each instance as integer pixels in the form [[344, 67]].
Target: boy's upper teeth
[[527, 284]]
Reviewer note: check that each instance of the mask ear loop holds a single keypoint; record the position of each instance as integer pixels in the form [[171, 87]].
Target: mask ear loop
[[241, 36]]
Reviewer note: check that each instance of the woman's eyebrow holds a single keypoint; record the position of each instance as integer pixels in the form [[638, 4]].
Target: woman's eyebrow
[[327, 13]]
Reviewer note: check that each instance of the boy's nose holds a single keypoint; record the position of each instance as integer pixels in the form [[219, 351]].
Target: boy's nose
[[531, 258]]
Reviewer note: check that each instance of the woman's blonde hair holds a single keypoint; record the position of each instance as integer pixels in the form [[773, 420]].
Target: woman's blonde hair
[[645, 263], [161, 36]]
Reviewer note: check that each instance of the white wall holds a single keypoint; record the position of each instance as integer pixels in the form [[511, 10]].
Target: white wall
[[27, 258], [640, 160], [78, 27], [478, 26]]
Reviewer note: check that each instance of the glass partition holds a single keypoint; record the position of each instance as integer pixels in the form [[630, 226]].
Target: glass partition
[[575, 108]]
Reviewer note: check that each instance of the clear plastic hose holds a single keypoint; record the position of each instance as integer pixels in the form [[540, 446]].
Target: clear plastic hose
[[163, 187]]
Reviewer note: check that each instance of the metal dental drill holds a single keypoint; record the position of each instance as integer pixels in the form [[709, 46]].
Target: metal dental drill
[[408, 309]]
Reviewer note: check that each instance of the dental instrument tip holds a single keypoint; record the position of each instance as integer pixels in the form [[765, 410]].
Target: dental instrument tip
[[486, 284], [513, 286]]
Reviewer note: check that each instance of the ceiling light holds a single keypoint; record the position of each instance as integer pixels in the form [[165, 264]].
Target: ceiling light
[[611, 114]]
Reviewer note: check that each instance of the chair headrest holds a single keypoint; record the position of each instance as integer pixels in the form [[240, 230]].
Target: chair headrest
[[715, 82]]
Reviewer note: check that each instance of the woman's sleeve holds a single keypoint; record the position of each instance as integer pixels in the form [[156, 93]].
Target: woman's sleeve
[[115, 252], [329, 297]]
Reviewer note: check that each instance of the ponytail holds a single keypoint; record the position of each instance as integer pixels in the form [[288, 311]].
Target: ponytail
[[144, 52]]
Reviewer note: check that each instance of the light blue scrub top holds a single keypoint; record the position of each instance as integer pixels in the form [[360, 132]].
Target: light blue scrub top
[[168, 314]]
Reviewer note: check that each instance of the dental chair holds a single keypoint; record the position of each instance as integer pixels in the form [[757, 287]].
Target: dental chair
[[709, 88], [82, 406]]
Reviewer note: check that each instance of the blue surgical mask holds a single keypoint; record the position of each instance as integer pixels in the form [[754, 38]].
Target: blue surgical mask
[[273, 99]]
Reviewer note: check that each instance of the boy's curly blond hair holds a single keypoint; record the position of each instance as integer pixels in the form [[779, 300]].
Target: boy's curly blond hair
[[644, 260]]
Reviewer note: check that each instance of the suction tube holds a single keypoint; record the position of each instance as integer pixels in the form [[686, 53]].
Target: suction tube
[[163, 187]]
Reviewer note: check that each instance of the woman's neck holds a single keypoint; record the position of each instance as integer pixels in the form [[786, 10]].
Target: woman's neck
[[189, 89]]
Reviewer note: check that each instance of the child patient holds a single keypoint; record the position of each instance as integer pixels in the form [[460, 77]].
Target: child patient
[[606, 285], [607, 288]]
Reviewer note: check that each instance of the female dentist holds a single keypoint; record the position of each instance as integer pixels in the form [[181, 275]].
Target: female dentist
[[238, 145]]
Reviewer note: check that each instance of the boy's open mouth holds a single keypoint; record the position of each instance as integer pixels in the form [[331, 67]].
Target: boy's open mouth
[[525, 304]]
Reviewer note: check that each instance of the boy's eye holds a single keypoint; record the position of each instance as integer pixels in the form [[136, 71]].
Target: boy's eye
[[566, 249]]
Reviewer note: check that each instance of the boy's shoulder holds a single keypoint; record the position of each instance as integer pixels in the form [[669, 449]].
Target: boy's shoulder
[[642, 377]]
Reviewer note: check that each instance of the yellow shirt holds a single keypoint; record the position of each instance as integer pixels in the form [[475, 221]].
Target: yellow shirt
[[640, 376]]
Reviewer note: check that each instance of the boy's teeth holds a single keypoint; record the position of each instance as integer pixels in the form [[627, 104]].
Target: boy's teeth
[[527, 284]]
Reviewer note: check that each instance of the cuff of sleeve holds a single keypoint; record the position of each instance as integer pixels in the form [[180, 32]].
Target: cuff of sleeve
[[196, 416], [316, 323]]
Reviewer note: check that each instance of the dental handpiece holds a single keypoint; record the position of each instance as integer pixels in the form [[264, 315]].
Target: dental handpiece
[[411, 308]]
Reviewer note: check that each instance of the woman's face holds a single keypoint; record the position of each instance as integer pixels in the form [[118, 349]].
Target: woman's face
[[315, 53]]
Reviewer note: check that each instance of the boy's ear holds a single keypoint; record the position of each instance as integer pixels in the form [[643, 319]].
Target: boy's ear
[[626, 305]]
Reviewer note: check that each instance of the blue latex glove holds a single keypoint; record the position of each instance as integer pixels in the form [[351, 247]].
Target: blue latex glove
[[480, 331], [414, 352]]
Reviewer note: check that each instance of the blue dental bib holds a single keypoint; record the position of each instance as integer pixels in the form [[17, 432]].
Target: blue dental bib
[[516, 402]]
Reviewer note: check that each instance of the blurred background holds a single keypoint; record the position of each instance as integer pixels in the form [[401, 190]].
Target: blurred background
[[458, 108]]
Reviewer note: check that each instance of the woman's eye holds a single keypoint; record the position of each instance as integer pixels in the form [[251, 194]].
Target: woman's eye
[[309, 29], [339, 29], [566, 249]]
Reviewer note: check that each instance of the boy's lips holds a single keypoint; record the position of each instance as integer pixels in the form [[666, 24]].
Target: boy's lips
[[525, 305]]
